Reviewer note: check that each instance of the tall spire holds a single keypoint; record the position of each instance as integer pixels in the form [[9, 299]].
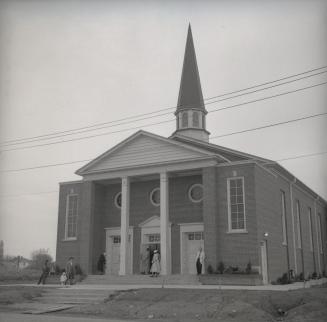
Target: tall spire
[[190, 93], [190, 112]]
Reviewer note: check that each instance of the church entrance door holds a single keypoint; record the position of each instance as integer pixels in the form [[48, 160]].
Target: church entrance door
[[194, 242], [192, 238], [113, 251]]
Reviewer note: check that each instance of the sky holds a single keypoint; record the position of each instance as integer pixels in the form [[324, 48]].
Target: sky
[[72, 64]]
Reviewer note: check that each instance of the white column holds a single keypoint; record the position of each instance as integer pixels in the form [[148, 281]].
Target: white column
[[124, 226], [164, 221]]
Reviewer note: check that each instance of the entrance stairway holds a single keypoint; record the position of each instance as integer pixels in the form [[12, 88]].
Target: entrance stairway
[[142, 279], [60, 296], [177, 279]]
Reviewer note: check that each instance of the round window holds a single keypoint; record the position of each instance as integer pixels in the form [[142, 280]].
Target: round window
[[195, 192], [155, 196], [118, 200]]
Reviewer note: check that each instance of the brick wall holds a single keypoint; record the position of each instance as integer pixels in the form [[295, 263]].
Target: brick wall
[[237, 249], [210, 215], [65, 249], [322, 211], [269, 214], [97, 211]]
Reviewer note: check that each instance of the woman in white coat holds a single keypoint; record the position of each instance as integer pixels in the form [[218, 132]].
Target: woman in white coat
[[155, 267]]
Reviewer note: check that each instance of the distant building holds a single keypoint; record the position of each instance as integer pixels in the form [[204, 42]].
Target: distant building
[[179, 193]]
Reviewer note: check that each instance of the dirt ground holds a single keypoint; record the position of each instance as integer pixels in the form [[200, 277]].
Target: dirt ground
[[194, 305], [212, 305]]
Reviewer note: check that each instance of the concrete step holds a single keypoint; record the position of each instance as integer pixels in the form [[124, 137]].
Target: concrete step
[[142, 279], [72, 296]]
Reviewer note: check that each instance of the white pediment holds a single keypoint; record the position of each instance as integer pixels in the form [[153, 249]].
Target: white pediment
[[150, 222], [144, 149]]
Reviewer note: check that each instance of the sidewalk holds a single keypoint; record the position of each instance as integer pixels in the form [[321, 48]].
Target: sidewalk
[[269, 287], [16, 317]]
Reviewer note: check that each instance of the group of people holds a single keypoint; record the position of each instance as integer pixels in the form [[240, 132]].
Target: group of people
[[67, 275], [150, 264]]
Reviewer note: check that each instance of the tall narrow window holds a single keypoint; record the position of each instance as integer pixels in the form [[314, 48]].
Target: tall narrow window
[[283, 204], [298, 225], [184, 120], [195, 118], [71, 217], [236, 209], [319, 234], [310, 229]]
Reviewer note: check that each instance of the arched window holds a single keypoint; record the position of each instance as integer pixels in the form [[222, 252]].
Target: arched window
[[184, 119], [195, 118]]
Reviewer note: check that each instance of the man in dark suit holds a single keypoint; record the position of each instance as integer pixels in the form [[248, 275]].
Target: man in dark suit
[[45, 272], [70, 271]]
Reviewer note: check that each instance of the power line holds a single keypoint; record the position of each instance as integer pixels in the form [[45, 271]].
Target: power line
[[265, 98], [153, 116], [90, 127], [147, 150], [46, 166], [29, 194], [302, 156], [270, 125], [88, 137], [147, 125], [271, 82]]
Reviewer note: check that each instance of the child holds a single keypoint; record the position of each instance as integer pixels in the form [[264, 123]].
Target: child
[[63, 278]]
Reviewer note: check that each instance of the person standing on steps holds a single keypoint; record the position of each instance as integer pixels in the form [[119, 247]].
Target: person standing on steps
[[199, 260], [155, 267], [102, 263]]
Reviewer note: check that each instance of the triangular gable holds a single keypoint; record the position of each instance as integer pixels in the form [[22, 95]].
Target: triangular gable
[[223, 152], [142, 149], [150, 222]]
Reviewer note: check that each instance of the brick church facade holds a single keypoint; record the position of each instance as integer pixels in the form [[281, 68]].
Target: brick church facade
[[179, 193]]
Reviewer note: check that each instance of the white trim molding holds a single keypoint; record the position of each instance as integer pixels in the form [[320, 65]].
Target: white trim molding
[[230, 229], [151, 196], [195, 185], [116, 200], [72, 238]]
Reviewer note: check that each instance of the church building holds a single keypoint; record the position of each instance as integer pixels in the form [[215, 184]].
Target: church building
[[180, 193]]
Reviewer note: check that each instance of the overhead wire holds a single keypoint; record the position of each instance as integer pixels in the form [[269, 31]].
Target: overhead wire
[[151, 149], [157, 123], [269, 125], [98, 126], [154, 116]]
